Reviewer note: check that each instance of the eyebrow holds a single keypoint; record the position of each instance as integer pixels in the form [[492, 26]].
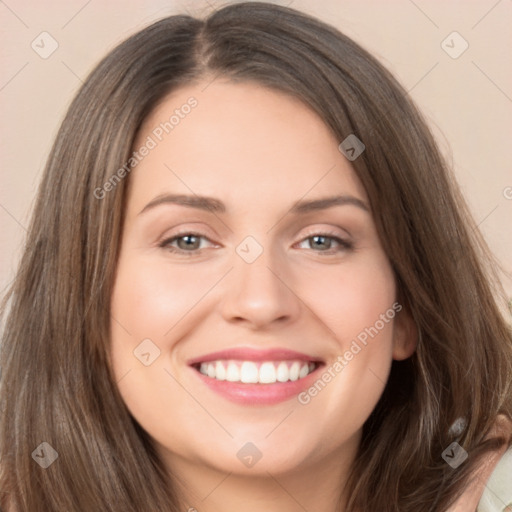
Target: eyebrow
[[214, 205]]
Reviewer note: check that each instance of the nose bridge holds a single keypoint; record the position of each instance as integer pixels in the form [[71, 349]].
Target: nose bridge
[[253, 269]]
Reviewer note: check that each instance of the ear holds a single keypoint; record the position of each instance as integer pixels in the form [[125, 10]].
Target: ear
[[405, 335]]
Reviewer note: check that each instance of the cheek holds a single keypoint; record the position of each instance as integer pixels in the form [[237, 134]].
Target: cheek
[[150, 298], [154, 301], [351, 298], [358, 307]]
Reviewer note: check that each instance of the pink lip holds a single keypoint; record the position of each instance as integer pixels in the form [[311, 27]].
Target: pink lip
[[259, 394], [256, 394], [251, 354]]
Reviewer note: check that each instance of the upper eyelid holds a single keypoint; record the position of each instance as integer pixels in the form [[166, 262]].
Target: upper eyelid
[[311, 232], [185, 233]]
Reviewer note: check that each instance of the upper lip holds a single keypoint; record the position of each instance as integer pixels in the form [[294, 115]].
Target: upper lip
[[252, 354]]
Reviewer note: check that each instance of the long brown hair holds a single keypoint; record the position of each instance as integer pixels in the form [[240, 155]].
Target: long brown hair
[[57, 385]]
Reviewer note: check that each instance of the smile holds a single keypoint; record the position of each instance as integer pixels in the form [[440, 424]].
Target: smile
[[251, 372], [253, 377]]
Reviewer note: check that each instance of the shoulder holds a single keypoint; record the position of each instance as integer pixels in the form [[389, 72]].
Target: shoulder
[[497, 468], [497, 495]]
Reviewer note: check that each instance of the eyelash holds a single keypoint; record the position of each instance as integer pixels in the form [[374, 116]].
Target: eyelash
[[344, 245]]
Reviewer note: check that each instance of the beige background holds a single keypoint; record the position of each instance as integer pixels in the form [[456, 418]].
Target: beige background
[[468, 99]]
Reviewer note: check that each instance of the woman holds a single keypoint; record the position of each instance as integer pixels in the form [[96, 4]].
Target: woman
[[250, 282]]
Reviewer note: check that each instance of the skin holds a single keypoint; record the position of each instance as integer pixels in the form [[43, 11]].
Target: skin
[[258, 151]]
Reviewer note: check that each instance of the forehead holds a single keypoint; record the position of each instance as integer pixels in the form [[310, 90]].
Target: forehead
[[240, 142]]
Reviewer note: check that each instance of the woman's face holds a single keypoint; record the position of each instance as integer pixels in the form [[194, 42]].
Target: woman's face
[[253, 303]]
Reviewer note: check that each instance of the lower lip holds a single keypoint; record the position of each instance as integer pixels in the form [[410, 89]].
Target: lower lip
[[258, 394]]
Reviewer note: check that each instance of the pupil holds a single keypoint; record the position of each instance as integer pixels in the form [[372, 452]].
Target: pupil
[[322, 240], [188, 241]]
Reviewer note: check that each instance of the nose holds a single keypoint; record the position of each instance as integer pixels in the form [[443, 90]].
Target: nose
[[260, 294]]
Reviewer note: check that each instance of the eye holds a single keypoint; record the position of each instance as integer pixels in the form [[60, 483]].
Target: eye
[[327, 243], [184, 243], [191, 243]]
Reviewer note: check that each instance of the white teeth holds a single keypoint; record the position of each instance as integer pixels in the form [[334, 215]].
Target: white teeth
[[233, 373], [304, 371], [267, 373], [283, 373], [250, 372], [220, 371], [294, 371]]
